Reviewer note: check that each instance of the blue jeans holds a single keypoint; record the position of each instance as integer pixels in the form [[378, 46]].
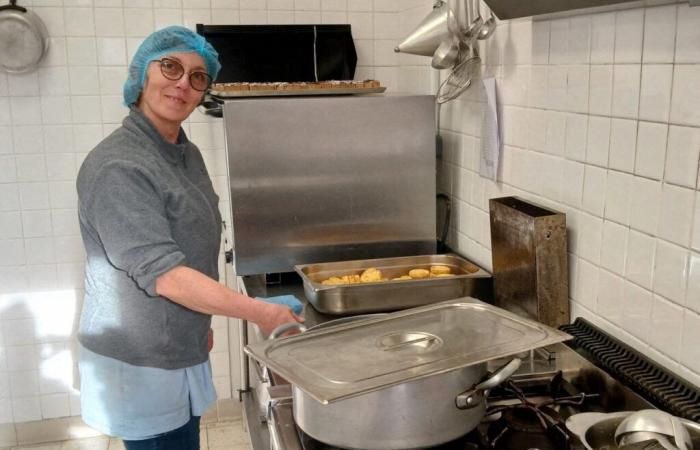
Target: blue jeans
[[184, 438]]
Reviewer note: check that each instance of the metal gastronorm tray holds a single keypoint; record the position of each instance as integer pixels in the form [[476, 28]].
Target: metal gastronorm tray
[[282, 93], [387, 295]]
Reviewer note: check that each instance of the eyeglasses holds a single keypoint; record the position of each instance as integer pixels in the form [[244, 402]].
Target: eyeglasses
[[173, 70]]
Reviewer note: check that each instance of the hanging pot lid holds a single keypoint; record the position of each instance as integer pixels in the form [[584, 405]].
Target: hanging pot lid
[[24, 39], [360, 357]]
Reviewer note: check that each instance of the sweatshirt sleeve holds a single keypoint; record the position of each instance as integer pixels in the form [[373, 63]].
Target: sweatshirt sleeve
[[127, 213]]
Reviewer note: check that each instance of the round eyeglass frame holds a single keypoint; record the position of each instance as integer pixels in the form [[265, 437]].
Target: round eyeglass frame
[[182, 72]]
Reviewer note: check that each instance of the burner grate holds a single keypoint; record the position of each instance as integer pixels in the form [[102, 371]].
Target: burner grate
[[666, 390]]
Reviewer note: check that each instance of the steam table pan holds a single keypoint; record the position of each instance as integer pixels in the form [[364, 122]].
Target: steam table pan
[[389, 295]]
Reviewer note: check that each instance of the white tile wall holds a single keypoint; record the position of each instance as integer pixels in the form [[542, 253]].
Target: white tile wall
[[682, 155], [617, 205], [651, 149], [693, 294], [627, 84], [655, 96], [686, 88], [623, 144], [628, 36], [687, 34], [626, 79], [601, 82], [658, 45]]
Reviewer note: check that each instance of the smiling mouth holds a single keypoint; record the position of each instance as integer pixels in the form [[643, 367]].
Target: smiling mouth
[[175, 99]]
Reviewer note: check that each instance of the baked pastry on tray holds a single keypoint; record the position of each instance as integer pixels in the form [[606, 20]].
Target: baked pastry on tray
[[295, 86]]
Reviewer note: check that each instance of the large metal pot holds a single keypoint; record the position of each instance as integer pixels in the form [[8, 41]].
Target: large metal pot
[[416, 414]]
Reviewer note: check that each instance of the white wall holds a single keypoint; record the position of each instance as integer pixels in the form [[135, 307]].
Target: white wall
[[601, 121], [51, 118]]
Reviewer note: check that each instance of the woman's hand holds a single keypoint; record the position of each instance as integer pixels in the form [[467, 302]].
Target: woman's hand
[[273, 316]]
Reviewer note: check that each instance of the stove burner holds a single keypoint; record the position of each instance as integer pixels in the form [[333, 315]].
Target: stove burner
[[527, 425], [521, 428], [526, 419]]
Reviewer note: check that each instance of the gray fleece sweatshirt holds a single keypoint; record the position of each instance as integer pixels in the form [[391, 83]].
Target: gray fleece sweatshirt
[[145, 206]]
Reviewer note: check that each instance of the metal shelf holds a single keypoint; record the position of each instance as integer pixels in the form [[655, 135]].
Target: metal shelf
[[546, 9]]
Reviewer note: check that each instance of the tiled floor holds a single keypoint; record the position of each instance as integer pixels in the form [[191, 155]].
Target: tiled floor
[[214, 436]]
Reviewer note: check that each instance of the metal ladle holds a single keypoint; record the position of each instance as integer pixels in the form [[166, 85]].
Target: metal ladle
[[489, 26], [447, 52], [477, 22]]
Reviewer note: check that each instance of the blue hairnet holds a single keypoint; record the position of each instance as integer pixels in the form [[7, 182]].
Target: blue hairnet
[[163, 42]]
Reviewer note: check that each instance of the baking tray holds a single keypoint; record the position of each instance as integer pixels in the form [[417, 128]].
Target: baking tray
[[388, 295], [274, 93]]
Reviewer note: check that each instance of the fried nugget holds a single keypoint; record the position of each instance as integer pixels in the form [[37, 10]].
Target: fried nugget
[[334, 281], [351, 279], [402, 277], [438, 270], [418, 273], [371, 275]]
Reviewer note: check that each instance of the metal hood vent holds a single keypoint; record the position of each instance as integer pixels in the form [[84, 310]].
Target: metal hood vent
[[513, 9]]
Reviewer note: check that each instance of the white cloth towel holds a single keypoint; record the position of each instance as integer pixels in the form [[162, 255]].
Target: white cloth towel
[[490, 132]]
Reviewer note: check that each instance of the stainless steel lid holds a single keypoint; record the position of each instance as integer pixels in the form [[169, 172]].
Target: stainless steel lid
[[360, 357]]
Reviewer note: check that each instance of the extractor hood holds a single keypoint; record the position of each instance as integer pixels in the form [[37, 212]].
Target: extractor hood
[[513, 9]]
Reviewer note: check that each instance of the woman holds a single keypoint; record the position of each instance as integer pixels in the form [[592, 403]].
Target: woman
[[151, 228]]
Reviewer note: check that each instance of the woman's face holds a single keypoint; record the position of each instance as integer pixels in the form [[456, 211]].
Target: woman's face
[[171, 101]]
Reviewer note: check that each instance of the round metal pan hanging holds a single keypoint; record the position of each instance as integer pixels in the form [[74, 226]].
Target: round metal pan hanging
[[24, 39]]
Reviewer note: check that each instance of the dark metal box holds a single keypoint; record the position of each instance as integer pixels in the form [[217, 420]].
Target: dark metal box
[[530, 269]]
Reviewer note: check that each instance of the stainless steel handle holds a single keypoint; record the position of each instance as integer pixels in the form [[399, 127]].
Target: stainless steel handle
[[400, 345], [286, 327], [243, 358], [500, 375], [474, 396], [261, 372]]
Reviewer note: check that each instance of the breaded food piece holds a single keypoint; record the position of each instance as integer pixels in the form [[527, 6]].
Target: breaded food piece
[[334, 281], [371, 275], [402, 277], [437, 270], [441, 275], [351, 279], [418, 273]]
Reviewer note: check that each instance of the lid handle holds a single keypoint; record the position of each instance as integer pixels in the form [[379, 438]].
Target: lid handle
[[399, 345], [277, 332], [474, 396]]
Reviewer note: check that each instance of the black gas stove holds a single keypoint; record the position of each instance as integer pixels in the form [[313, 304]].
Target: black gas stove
[[592, 373]]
